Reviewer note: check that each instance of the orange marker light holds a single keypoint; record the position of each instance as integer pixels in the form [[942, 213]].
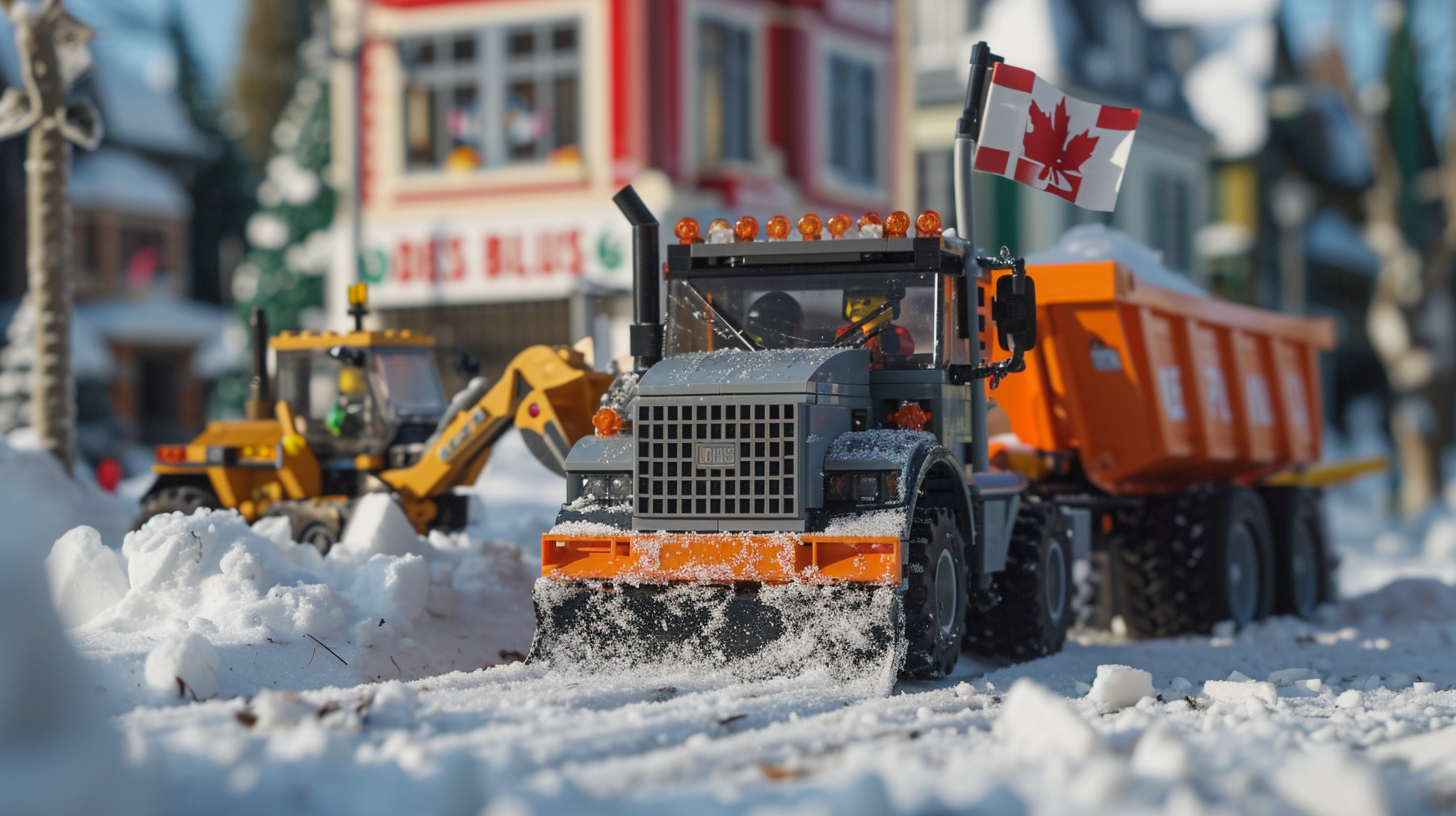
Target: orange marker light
[[608, 422], [778, 228], [839, 225], [746, 229], [897, 224], [928, 224], [810, 226], [687, 231], [870, 226], [719, 231]]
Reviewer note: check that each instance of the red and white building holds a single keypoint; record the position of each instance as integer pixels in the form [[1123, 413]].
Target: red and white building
[[495, 132]]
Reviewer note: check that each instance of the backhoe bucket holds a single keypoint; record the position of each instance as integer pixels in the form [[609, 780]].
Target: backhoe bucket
[[845, 633]]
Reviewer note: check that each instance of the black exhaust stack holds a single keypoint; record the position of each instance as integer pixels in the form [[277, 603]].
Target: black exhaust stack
[[260, 402], [646, 287]]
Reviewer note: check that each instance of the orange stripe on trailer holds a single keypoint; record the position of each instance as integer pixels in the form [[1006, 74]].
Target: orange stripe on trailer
[[722, 558]]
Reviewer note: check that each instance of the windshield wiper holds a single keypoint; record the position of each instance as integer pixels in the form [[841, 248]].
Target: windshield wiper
[[717, 316]]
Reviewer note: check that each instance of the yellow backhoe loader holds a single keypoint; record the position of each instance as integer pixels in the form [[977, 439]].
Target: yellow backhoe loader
[[363, 412]]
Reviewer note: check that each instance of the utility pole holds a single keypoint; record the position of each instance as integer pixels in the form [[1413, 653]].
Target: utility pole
[[54, 54]]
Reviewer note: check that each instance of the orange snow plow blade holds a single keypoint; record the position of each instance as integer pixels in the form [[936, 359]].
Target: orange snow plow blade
[[752, 604], [771, 558]]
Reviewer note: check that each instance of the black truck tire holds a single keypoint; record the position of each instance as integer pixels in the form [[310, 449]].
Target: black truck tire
[[1201, 557], [1034, 606], [1303, 563], [936, 598], [183, 498]]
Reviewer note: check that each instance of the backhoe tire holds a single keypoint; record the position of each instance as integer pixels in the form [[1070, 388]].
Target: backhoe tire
[[321, 535], [1034, 609], [1202, 556], [936, 598], [185, 499], [1303, 562]]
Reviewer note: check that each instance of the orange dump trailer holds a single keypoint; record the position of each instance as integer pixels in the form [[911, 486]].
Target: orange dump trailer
[[1154, 390]]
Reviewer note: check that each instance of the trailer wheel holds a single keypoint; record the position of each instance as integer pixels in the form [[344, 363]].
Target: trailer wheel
[[1201, 557], [1303, 562], [1034, 609], [185, 499], [935, 602]]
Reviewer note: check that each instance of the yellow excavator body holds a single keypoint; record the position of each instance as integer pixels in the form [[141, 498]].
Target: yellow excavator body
[[389, 430]]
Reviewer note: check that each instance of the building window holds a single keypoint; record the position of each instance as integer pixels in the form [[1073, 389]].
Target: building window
[[725, 62], [853, 124], [1171, 227], [505, 95]]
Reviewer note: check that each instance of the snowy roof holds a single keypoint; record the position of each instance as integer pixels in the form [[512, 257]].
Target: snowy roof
[[158, 318], [134, 112], [116, 179], [1227, 89]]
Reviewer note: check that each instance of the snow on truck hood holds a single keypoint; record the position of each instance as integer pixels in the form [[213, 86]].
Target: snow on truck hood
[[788, 371]]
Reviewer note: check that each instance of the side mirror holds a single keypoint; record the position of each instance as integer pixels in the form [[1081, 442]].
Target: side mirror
[[1014, 313], [348, 355], [467, 365]]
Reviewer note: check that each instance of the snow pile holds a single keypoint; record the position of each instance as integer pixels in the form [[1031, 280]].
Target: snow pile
[[200, 606], [57, 753], [39, 502], [1037, 722], [1098, 242]]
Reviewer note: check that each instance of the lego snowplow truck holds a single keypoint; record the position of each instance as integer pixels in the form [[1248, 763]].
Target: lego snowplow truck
[[802, 475], [365, 412]]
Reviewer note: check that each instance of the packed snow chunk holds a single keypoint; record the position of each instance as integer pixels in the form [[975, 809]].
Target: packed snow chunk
[[395, 589], [189, 658], [1235, 693], [394, 705], [1331, 783], [84, 575], [1117, 687], [1420, 752], [377, 526], [277, 529], [1351, 699], [1037, 722], [1161, 754]]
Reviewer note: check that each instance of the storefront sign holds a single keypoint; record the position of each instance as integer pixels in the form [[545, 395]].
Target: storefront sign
[[492, 260]]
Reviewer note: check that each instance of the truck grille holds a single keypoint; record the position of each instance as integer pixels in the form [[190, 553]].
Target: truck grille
[[721, 460]]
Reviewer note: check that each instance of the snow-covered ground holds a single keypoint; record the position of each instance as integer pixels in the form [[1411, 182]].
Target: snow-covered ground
[[226, 670]]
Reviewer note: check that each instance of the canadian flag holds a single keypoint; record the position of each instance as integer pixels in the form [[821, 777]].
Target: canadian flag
[[1043, 138]]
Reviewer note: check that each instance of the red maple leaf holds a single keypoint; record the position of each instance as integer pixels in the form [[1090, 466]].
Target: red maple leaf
[[1046, 143]]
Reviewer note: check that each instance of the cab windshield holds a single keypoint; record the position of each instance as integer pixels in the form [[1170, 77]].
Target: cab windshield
[[894, 315], [410, 383]]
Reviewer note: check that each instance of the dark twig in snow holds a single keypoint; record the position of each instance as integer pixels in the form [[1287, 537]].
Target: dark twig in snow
[[194, 534], [396, 665], [327, 649]]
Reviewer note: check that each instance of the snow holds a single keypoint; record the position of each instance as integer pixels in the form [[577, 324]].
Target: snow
[[1117, 687], [429, 711], [1098, 242], [1227, 88], [112, 179]]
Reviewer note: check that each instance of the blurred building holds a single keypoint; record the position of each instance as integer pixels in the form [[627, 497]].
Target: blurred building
[[145, 354], [495, 132], [1101, 51]]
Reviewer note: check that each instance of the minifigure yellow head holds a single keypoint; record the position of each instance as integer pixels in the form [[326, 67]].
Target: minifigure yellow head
[[352, 382], [858, 304]]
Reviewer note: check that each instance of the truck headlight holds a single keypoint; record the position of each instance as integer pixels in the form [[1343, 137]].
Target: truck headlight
[[599, 487], [874, 487]]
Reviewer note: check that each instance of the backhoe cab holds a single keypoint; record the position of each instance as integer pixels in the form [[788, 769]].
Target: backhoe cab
[[365, 412]]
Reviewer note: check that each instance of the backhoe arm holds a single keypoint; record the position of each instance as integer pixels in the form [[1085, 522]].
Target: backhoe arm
[[548, 393]]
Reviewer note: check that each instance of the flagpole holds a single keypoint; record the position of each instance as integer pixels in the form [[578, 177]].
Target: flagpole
[[968, 131]]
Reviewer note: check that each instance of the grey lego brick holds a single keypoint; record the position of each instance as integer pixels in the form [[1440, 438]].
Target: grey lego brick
[[826, 250], [594, 454]]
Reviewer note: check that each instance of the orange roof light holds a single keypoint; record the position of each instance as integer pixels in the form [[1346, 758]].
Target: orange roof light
[[608, 422], [810, 226], [720, 231], [778, 228], [839, 225], [687, 231], [928, 224], [171, 454], [897, 224], [746, 229], [870, 226]]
